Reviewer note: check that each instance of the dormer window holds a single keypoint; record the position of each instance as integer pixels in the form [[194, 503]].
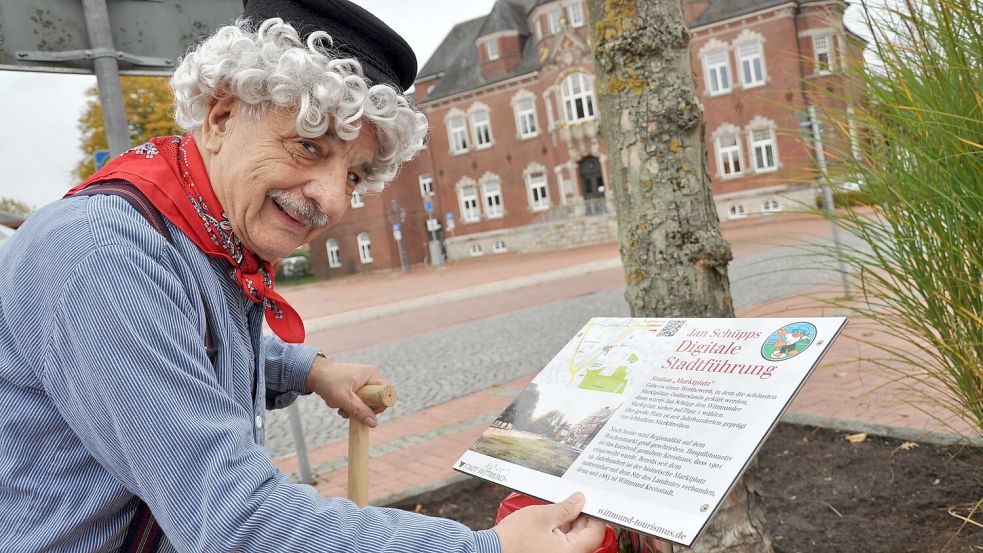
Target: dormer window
[[822, 47], [553, 18], [491, 48], [575, 14]]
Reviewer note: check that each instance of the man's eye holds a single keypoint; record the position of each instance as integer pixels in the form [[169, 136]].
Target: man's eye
[[354, 177], [309, 146]]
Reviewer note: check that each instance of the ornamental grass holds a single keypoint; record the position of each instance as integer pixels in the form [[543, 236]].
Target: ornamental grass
[[918, 152]]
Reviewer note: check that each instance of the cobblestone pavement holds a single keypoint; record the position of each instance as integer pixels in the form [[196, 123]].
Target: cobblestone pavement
[[439, 366]]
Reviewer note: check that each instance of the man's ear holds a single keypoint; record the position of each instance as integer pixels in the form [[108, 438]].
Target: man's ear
[[216, 127]]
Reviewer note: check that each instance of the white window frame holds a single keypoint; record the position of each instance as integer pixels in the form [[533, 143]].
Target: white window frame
[[736, 211], [854, 137], [527, 116], [553, 20], [490, 190], [826, 49], [721, 67], [745, 62], [357, 200], [364, 243], [573, 99], [334, 259], [732, 152], [481, 140], [491, 49], [572, 9], [426, 185], [499, 247], [467, 196], [754, 144], [543, 201], [454, 131], [771, 205], [476, 250]]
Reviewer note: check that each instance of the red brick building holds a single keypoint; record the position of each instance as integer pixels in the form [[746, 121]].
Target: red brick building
[[515, 160]]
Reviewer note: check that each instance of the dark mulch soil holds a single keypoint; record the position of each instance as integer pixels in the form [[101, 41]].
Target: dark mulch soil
[[823, 493]]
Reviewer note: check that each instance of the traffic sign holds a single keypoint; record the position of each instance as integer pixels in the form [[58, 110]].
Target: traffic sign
[[433, 225], [450, 221], [101, 158], [397, 232]]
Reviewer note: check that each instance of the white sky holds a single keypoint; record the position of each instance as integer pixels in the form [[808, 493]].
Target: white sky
[[39, 112]]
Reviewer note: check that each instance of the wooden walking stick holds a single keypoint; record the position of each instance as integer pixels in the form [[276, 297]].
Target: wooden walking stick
[[374, 395]]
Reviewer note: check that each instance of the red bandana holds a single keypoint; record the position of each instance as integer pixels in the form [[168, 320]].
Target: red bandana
[[170, 172]]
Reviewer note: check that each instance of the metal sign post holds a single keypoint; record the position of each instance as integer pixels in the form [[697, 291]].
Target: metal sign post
[[396, 216], [107, 75]]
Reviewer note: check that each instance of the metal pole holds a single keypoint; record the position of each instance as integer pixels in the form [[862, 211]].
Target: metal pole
[[297, 431], [828, 204], [402, 255], [107, 75]]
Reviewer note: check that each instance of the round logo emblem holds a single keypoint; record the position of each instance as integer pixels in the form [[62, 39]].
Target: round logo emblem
[[788, 341]]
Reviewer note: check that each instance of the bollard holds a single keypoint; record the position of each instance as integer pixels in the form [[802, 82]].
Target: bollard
[[374, 395]]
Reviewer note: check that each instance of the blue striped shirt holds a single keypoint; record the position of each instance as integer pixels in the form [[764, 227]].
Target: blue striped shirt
[[107, 394]]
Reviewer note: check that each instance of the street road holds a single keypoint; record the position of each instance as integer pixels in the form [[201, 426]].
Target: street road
[[443, 364]]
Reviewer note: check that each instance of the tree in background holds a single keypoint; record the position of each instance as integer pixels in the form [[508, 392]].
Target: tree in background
[[149, 112], [15, 207], [519, 413], [674, 256]]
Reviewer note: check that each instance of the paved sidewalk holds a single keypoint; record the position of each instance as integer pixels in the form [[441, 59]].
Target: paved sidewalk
[[414, 453]]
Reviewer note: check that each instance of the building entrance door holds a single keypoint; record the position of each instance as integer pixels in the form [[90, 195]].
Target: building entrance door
[[590, 176]]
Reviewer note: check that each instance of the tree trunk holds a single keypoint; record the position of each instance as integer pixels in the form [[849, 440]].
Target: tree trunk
[[674, 256]]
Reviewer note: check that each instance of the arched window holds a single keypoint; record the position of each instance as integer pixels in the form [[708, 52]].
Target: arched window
[[481, 125], [492, 191], [468, 197], [717, 71], [364, 247], [537, 188], [728, 146], [524, 106], [357, 200], [763, 150], [751, 62], [334, 260], [771, 206], [737, 211], [578, 98], [457, 131]]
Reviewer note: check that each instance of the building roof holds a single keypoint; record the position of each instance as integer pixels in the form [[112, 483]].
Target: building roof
[[505, 16], [457, 56], [719, 10], [456, 59]]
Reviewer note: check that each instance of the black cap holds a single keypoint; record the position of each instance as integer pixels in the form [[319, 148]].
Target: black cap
[[385, 57]]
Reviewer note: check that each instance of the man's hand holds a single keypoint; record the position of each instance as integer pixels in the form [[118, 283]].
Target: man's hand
[[557, 528], [337, 383]]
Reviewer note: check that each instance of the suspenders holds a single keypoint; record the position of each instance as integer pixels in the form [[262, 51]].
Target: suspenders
[[144, 534]]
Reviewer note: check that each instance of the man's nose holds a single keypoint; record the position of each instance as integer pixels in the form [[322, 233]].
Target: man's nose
[[326, 188]]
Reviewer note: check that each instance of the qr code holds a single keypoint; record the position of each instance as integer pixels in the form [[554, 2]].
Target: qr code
[[671, 328]]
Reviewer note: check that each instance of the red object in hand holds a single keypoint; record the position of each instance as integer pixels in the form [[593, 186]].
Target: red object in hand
[[516, 501]]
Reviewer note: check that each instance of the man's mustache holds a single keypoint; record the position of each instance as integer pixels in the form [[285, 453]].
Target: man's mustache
[[300, 208]]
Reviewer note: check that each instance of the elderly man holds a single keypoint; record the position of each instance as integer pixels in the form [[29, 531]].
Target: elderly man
[[133, 372]]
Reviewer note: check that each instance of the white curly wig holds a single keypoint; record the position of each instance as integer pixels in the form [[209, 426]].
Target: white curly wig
[[270, 65]]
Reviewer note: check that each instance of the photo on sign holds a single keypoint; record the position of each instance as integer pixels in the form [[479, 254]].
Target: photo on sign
[[547, 428]]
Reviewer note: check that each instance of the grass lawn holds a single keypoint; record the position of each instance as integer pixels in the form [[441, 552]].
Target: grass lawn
[[538, 454]]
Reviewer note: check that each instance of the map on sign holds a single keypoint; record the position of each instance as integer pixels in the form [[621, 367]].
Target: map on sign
[[608, 355]]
